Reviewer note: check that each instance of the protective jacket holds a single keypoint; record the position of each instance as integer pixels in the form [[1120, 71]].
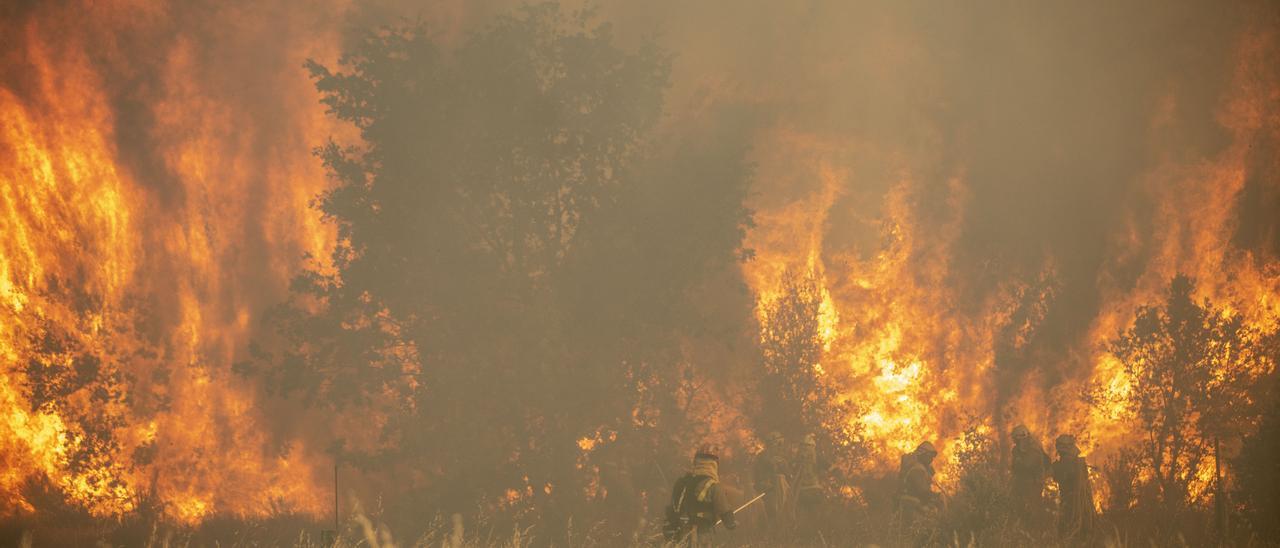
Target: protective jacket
[[770, 474], [1029, 468], [808, 488], [1075, 521], [698, 502], [916, 497]]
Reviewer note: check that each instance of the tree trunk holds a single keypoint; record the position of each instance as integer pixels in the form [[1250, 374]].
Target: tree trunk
[[1219, 505]]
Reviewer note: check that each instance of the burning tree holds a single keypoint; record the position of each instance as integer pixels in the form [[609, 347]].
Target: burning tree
[[797, 394], [1189, 366], [791, 343], [1257, 474], [460, 219], [509, 256]]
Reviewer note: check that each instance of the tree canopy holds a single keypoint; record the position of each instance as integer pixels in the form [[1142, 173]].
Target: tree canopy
[[1190, 366], [517, 245]]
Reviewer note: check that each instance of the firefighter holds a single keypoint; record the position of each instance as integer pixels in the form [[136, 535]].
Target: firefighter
[[808, 488], [809, 497], [919, 506], [698, 501], [1075, 495], [770, 476], [1028, 470]]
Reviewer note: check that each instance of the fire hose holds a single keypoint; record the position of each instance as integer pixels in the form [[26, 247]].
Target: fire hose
[[718, 521], [743, 507]]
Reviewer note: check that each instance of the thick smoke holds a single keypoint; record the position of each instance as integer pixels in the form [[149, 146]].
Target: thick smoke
[[1040, 142], [985, 193]]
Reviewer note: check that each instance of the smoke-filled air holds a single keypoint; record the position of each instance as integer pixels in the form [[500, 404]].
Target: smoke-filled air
[[447, 273]]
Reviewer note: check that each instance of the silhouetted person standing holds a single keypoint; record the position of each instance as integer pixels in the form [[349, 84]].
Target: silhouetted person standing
[[1029, 468], [919, 506], [770, 476], [1076, 511], [698, 501], [808, 489]]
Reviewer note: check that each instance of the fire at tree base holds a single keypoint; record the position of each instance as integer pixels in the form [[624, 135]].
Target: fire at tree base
[[834, 273]]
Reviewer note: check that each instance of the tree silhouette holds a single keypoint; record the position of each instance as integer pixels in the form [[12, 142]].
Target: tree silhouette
[[791, 342], [1257, 471], [1189, 366], [797, 395], [515, 251]]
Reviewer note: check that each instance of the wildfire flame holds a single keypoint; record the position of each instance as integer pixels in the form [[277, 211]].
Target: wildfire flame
[[919, 356], [155, 191], [149, 209]]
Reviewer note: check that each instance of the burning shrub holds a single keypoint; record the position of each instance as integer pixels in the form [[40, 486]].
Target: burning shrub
[[798, 394], [1188, 366], [1257, 476], [980, 508]]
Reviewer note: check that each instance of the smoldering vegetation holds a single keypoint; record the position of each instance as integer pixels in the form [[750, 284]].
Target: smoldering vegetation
[[477, 274]]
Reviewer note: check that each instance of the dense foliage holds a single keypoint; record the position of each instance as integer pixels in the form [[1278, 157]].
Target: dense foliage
[[517, 251]]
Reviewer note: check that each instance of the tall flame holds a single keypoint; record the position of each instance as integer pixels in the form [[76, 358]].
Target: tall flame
[[155, 182], [919, 353], [149, 208], [1196, 216]]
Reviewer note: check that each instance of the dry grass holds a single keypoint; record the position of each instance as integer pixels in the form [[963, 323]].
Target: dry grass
[[841, 526]]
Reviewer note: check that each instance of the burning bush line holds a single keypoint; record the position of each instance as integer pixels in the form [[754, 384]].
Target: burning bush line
[[1197, 379]]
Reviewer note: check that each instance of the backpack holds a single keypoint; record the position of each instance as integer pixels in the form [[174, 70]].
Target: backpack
[[905, 464], [693, 498]]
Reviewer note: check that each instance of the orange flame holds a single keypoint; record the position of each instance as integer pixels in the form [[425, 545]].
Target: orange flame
[[906, 344], [121, 205]]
